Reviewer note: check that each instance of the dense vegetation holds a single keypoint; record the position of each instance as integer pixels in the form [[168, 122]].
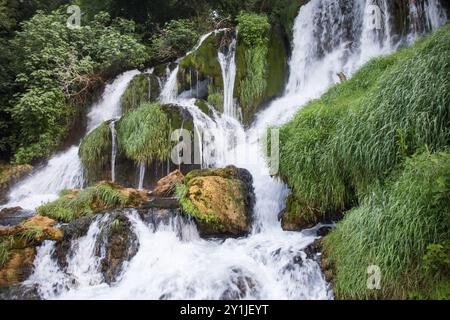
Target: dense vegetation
[[378, 143]]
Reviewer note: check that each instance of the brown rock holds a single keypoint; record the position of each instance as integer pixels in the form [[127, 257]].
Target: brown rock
[[18, 268], [166, 186]]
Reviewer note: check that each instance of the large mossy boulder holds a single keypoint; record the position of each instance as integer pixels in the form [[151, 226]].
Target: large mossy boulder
[[18, 247], [220, 200], [144, 87]]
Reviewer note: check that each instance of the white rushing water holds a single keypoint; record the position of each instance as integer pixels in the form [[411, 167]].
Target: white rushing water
[[227, 63], [173, 262], [65, 170]]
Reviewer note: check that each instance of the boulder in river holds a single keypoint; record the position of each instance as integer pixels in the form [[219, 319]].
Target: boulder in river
[[220, 200], [166, 186]]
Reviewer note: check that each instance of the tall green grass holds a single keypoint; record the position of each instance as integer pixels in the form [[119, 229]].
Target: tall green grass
[[392, 228], [336, 148], [95, 150], [72, 205], [144, 134], [4, 253]]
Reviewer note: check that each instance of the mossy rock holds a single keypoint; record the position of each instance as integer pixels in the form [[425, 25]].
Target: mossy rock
[[143, 88], [220, 200], [298, 216]]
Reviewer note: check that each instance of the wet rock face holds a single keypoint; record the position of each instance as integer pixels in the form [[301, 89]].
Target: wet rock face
[[117, 244], [14, 216], [220, 200], [19, 292]]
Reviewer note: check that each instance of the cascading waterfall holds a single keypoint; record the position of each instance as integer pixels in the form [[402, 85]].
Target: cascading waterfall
[[173, 262], [228, 66], [65, 170], [112, 126]]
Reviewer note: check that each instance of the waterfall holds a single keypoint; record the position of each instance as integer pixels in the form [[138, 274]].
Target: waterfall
[[64, 170], [173, 262], [112, 126], [141, 175], [228, 66]]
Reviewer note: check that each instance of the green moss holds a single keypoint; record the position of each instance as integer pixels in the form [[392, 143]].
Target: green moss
[[72, 205], [339, 146], [95, 151], [144, 134], [143, 88], [216, 99], [260, 72], [392, 229], [204, 61], [188, 207]]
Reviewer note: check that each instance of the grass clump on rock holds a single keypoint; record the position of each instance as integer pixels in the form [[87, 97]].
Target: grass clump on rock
[[95, 150], [73, 204], [144, 134], [393, 228]]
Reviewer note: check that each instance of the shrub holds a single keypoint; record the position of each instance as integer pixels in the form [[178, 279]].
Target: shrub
[[392, 229], [144, 134]]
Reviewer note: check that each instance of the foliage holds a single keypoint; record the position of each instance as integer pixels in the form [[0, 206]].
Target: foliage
[[95, 149], [253, 28], [392, 229], [4, 253], [175, 39], [216, 99], [72, 205], [144, 134], [336, 148], [437, 258], [143, 88], [59, 67]]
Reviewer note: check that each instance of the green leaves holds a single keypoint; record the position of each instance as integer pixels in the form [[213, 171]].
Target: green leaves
[[59, 67], [253, 28]]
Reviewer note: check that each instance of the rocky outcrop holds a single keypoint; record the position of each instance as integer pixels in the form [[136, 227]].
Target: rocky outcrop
[[10, 174], [17, 247], [166, 186], [220, 200]]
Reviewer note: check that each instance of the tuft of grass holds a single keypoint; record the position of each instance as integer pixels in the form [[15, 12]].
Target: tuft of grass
[[338, 147], [88, 201], [144, 134], [32, 233], [95, 150], [393, 228], [4, 253]]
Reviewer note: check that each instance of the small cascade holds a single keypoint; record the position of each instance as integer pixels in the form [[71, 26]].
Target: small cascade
[[141, 175], [227, 62], [64, 170], [112, 126], [425, 16]]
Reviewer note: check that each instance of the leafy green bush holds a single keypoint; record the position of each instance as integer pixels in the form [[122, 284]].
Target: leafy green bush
[[253, 28], [74, 204], [177, 37], [144, 134], [57, 68], [392, 229]]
